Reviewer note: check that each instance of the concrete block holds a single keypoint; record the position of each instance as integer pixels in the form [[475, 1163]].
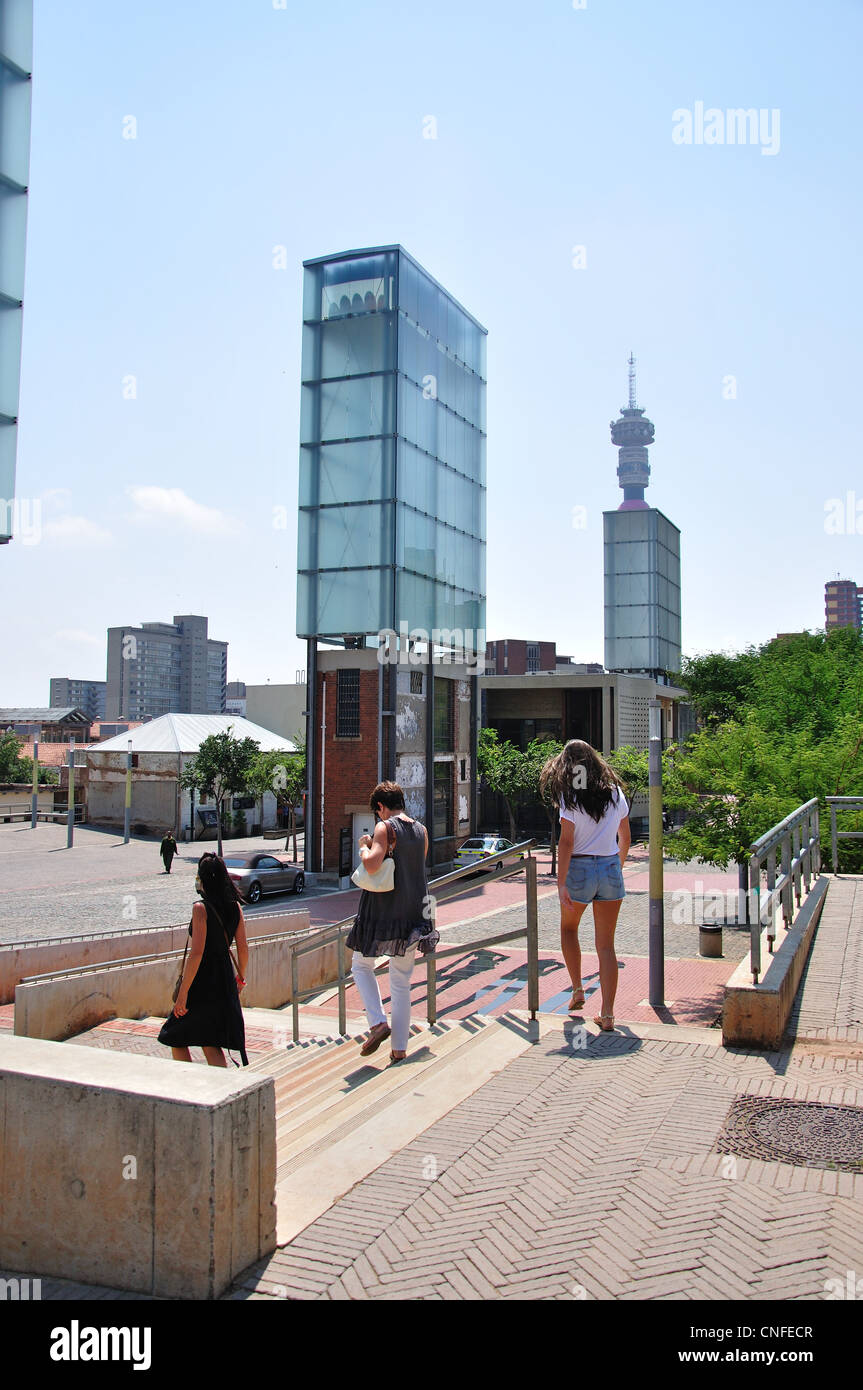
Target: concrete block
[[756, 1015], [133, 1172]]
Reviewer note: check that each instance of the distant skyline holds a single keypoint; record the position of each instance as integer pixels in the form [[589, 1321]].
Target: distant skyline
[[561, 172]]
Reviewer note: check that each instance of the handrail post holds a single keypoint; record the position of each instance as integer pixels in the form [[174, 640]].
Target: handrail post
[[798, 886], [295, 1003], [787, 904], [771, 903], [431, 968], [807, 857], [816, 816], [532, 938], [834, 842], [755, 924], [343, 1024]]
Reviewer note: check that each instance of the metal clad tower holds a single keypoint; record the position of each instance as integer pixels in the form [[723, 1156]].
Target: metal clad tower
[[642, 559]]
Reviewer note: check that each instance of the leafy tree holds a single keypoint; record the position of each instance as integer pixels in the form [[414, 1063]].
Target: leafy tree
[[505, 771], [221, 768], [537, 754], [719, 685], [18, 767], [284, 774]]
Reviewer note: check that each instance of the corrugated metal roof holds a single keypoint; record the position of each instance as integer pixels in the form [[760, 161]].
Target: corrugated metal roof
[[43, 715], [184, 733]]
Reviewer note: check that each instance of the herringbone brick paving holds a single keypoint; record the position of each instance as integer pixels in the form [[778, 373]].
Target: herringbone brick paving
[[588, 1173]]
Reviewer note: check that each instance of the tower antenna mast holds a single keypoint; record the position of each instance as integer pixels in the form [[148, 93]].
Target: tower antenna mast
[[632, 401]]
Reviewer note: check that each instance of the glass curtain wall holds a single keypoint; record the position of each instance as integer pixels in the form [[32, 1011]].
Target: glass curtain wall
[[392, 458], [16, 55]]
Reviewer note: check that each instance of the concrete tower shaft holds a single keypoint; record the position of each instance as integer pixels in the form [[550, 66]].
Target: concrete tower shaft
[[632, 433]]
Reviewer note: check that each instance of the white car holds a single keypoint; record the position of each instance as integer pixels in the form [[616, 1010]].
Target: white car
[[476, 849]]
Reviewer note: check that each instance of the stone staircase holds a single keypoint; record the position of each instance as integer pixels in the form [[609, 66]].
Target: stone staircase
[[338, 1116]]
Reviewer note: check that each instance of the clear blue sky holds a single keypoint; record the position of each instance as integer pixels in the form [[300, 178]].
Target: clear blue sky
[[302, 128]]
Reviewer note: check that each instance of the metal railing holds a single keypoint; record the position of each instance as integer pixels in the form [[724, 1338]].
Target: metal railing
[[793, 846], [838, 804], [339, 931], [20, 810]]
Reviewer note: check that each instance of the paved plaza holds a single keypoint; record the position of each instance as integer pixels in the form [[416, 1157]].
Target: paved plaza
[[647, 1164]]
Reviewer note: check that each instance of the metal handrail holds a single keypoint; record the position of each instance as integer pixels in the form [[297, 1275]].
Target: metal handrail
[[338, 931], [797, 839], [837, 804]]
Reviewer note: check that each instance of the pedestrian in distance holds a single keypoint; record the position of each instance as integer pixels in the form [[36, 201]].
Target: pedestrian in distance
[[207, 1011], [396, 923], [594, 841], [168, 849]]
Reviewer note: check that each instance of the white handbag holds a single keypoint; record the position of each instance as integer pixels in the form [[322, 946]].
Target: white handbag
[[384, 881]]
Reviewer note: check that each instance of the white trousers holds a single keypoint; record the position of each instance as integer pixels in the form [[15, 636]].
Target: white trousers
[[401, 969]]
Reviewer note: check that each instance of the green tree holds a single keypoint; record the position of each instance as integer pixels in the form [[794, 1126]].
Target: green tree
[[537, 754], [505, 771], [18, 767], [221, 768]]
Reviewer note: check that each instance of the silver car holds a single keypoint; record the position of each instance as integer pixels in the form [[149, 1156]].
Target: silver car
[[253, 875]]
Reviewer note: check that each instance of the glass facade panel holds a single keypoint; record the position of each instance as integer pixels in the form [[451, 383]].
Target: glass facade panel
[[400, 386], [16, 46]]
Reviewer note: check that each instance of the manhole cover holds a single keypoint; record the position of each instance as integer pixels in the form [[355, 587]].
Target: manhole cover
[[804, 1132]]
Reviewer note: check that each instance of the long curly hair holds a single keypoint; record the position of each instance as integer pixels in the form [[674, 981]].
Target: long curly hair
[[580, 777]]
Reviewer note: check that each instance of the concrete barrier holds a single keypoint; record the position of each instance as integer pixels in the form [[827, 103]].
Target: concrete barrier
[[60, 1006], [20, 960], [133, 1172], [756, 1015]]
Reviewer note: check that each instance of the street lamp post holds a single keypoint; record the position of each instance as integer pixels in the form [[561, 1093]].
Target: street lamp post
[[656, 919], [127, 813], [70, 808], [34, 805]]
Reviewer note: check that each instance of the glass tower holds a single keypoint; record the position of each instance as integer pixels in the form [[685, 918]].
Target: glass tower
[[392, 451], [16, 55]]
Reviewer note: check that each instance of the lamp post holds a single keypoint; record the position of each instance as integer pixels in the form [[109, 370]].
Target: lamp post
[[70, 808], [34, 805], [656, 919], [127, 813]]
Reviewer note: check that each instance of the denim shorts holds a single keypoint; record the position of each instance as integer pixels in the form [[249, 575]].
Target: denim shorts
[[595, 876]]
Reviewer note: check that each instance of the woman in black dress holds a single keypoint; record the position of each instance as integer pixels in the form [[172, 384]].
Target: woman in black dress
[[207, 1012], [395, 924]]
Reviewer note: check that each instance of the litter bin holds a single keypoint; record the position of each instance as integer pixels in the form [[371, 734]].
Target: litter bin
[[710, 940]]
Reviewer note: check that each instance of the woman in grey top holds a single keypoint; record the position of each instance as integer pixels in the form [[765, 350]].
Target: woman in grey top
[[394, 924]]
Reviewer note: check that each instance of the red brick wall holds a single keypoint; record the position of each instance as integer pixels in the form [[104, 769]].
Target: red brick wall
[[350, 765], [547, 656]]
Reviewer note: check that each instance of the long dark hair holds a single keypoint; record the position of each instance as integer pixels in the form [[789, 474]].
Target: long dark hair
[[579, 777], [216, 886]]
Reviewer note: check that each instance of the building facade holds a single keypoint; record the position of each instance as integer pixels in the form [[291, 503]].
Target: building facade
[[87, 695], [391, 547], [843, 604], [641, 560], [165, 668], [16, 60], [515, 657]]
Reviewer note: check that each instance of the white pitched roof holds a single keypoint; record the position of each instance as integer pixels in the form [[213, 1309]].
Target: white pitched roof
[[184, 733]]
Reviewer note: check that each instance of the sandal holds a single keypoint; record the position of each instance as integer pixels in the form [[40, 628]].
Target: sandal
[[576, 1002], [378, 1034], [397, 1056], [598, 1020]]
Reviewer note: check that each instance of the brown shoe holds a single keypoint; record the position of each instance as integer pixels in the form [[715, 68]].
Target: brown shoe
[[378, 1034]]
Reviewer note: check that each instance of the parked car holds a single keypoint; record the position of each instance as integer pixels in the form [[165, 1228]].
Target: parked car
[[476, 849], [253, 875]]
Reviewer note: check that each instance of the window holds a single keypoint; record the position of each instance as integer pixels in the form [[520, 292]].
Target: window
[[416, 682], [463, 770], [443, 799], [348, 705], [443, 716]]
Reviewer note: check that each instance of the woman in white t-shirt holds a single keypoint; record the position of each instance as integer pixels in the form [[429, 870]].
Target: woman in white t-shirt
[[594, 843]]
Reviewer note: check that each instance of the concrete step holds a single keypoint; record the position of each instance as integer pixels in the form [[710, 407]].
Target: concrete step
[[352, 1133], [340, 1080]]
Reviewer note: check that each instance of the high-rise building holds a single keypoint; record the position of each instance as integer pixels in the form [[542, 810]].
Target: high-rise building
[[165, 668], [16, 59], [391, 541], [86, 695], [843, 603], [642, 560], [235, 698]]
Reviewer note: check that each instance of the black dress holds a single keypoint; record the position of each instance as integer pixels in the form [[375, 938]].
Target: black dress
[[214, 1017], [388, 924]]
